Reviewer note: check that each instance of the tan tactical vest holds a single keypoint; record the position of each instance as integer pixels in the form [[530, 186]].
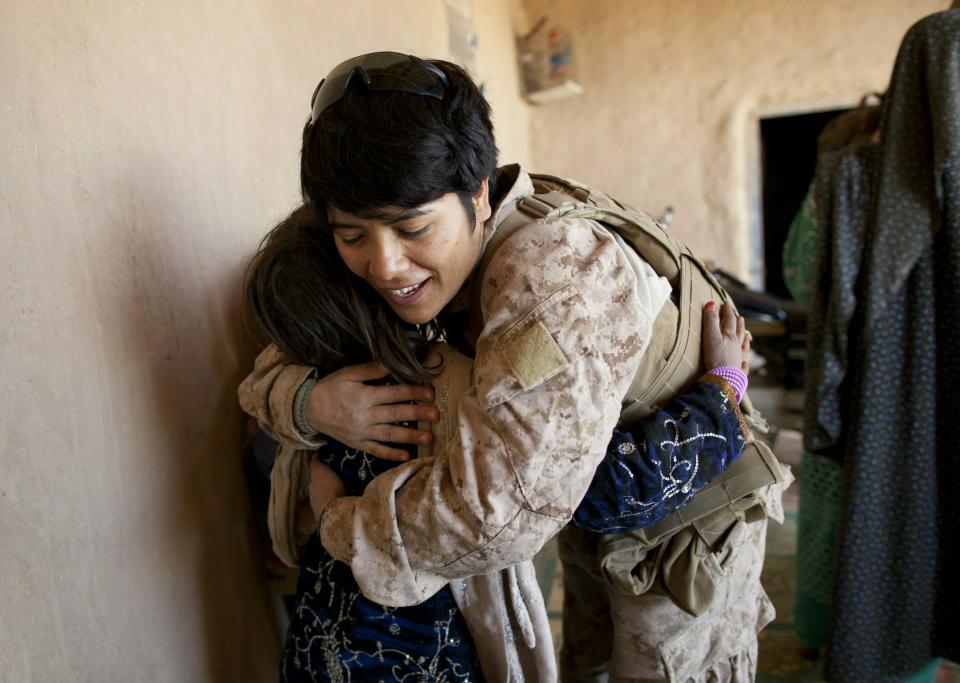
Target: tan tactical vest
[[672, 362]]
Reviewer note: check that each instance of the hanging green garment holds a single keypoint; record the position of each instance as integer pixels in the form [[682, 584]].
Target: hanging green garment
[[800, 249], [819, 476], [816, 531]]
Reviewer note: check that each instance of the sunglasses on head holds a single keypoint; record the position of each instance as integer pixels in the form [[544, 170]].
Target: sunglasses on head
[[390, 71]]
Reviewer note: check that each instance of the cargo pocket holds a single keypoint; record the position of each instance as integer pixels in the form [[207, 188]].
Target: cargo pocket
[[740, 610]]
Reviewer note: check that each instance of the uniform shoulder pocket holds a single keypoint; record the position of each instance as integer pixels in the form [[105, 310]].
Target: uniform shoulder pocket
[[540, 345]]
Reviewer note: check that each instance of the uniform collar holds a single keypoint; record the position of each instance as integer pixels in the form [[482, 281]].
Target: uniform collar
[[513, 184]]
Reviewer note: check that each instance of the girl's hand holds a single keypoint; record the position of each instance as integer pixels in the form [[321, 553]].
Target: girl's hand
[[725, 338], [325, 487], [363, 415]]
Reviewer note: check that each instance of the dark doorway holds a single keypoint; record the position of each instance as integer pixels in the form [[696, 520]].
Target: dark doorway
[[788, 157]]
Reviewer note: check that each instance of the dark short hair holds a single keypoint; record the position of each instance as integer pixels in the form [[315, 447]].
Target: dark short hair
[[374, 149]]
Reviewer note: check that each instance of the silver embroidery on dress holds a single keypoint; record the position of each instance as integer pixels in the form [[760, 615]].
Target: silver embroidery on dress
[[332, 636], [676, 473], [365, 469]]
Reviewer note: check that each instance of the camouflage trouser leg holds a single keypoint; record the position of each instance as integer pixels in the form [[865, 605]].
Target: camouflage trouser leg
[[647, 638], [587, 622]]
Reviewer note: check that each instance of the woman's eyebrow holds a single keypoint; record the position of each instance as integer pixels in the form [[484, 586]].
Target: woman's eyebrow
[[405, 215], [389, 217]]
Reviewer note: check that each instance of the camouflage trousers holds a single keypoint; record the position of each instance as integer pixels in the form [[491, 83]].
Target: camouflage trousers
[[609, 636]]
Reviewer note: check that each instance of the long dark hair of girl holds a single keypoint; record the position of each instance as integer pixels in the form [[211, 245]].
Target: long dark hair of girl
[[318, 313]]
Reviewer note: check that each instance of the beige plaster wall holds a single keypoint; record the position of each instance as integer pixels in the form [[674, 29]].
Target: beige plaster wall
[[498, 71], [146, 147], [675, 88]]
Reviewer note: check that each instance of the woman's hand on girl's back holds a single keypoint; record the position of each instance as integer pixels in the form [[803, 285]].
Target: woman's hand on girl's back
[[725, 338], [365, 416]]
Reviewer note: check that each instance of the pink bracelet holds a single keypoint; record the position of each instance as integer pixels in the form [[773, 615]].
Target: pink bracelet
[[735, 376]]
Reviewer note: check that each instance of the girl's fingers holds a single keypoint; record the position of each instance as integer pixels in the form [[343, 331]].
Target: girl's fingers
[[728, 320], [745, 349], [710, 330]]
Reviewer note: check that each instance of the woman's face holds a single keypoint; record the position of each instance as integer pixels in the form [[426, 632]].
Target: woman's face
[[417, 259]]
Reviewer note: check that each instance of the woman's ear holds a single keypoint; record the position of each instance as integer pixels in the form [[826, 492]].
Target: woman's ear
[[481, 202]]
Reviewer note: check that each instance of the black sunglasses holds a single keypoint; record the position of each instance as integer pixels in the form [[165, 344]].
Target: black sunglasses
[[380, 71]]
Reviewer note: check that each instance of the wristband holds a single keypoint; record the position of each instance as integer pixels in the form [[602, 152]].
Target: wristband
[[300, 420], [735, 376]]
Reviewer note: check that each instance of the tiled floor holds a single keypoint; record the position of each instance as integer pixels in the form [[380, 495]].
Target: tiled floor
[[780, 649]]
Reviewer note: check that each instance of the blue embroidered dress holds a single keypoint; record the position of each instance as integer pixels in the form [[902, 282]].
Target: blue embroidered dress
[[336, 634]]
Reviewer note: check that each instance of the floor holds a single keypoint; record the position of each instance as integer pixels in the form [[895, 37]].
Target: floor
[[781, 652]]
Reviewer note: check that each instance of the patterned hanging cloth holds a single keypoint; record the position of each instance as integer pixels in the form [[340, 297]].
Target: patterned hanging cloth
[[821, 260], [896, 596]]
